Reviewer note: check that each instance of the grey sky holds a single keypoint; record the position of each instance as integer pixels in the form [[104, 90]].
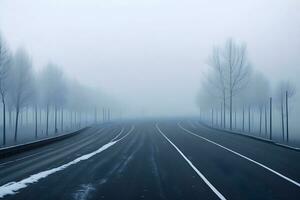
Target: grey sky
[[151, 54]]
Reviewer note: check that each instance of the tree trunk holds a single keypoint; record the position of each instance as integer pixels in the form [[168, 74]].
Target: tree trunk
[[62, 120], [10, 118], [71, 118], [36, 121], [47, 120], [40, 117], [26, 116], [86, 118], [287, 115], [217, 117], [55, 119], [4, 121], [260, 120], [104, 114], [271, 119], [230, 110], [230, 90], [243, 118], [282, 117], [249, 116], [16, 123], [75, 119], [224, 111], [80, 120], [97, 114], [21, 118], [266, 121], [212, 117], [235, 119], [221, 115]]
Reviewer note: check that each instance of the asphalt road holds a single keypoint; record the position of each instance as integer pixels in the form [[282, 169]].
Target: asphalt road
[[153, 160]]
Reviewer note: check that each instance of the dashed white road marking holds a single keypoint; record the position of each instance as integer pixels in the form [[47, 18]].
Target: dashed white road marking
[[193, 167], [13, 187], [240, 155]]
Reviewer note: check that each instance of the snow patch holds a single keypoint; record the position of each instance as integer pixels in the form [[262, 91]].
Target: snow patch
[[102, 181], [84, 192], [13, 187]]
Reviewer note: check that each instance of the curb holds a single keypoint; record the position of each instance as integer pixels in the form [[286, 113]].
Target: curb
[[252, 137], [13, 150]]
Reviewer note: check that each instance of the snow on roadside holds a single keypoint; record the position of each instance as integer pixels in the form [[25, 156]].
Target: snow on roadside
[[13, 187]]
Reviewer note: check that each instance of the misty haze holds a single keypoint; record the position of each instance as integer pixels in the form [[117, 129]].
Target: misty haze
[[158, 99]]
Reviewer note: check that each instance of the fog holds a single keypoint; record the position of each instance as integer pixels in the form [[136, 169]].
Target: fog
[[151, 56]]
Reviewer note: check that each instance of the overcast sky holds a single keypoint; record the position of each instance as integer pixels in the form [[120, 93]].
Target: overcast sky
[[150, 55]]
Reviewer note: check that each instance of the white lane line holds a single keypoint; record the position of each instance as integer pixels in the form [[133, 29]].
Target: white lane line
[[13, 187], [245, 157], [118, 134], [193, 167]]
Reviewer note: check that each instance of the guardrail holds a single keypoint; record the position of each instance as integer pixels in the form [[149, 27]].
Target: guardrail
[[12, 150]]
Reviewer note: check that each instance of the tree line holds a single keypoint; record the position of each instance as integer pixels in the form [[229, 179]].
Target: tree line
[[31, 96], [234, 90]]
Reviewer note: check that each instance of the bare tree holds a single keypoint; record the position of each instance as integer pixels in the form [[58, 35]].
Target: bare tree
[[231, 71], [285, 90], [21, 82], [5, 62], [35, 103], [280, 96], [205, 99], [53, 92], [261, 88], [289, 92], [218, 79], [237, 70]]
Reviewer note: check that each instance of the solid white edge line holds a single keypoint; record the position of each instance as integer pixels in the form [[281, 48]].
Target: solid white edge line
[[238, 154], [13, 187], [193, 167]]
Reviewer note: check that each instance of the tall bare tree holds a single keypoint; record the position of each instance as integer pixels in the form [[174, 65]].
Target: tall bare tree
[[260, 86], [5, 62], [237, 70], [280, 96], [231, 71], [53, 92], [290, 92], [285, 90], [218, 79], [21, 82]]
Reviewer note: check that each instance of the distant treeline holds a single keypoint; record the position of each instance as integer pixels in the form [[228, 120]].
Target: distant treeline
[[45, 100]]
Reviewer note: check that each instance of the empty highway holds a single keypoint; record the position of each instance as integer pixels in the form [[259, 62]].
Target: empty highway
[[163, 159]]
